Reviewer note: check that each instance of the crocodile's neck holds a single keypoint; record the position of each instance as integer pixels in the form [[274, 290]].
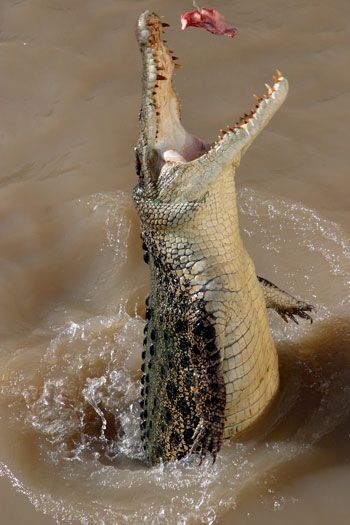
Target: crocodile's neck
[[209, 364]]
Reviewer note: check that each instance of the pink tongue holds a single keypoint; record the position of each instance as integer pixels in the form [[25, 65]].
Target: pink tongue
[[209, 19], [171, 155]]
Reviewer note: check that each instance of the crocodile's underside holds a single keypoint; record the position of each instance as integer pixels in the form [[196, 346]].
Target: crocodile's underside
[[210, 366]]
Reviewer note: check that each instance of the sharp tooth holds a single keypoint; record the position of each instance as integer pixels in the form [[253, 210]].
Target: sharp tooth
[[269, 89], [257, 98], [277, 76], [177, 66]]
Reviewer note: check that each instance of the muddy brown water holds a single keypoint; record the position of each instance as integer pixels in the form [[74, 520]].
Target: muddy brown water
[[72, 279]]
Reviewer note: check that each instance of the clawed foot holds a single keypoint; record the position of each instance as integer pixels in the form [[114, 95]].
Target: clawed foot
[[299, 310]]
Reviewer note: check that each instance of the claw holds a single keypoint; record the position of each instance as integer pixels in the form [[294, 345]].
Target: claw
[[300, 311], [304, 315], [293, 318], [283, 315], [269, 89]]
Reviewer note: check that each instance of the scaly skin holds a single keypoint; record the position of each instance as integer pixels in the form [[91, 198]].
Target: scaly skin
[[210, 366]]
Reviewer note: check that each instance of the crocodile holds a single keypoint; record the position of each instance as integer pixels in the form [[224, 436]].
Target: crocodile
[[210, 366]]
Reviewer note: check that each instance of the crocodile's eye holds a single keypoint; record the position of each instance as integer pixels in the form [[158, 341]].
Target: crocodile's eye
[[155, 162], [138, 165]]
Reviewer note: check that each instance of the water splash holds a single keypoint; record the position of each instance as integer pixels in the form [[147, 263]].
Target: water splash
[[77, 401]]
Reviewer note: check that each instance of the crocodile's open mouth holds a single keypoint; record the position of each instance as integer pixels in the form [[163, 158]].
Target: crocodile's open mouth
[[160, 108]]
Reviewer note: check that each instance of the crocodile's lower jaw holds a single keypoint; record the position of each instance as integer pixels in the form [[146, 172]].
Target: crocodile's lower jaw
[[209, 363]]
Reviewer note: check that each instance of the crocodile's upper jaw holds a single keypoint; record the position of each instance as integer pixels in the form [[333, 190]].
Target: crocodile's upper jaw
[[162, 133], [160, 115]]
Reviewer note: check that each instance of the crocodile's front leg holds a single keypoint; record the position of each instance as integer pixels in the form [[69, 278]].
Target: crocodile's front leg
[[283, 303]]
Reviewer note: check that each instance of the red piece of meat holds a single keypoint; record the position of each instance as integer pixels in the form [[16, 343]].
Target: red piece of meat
[[209, 19]]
